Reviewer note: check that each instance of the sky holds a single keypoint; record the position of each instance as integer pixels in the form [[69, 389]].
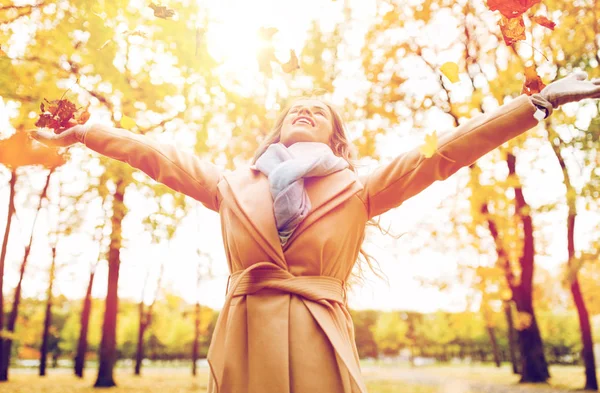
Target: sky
[[232, 40]]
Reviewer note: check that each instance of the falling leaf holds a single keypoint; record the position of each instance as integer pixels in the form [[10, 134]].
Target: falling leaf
[[21, 150], [511, 8], [127, 122], [513, 30], [292, 65], [430, 146], [543, 21], [267, 33], [160, 11], [2, 53], [533, 83], [450, 71]]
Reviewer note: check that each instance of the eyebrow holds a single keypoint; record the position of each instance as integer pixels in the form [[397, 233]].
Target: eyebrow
[[312, 107]]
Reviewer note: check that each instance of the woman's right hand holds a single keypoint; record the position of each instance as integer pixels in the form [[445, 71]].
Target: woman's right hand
[[65, 138]]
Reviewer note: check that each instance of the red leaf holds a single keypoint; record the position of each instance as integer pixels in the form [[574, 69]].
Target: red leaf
[[511, 8], [543, 21], [513, 29], [533, 83], [60, 114]]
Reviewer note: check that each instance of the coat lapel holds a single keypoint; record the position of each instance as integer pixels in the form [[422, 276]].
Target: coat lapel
[[326, 193], [248, 195]]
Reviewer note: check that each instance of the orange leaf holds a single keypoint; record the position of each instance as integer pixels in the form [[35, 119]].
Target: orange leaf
[[533, 83], [513, 30], [543, 21], [60, 114], [20, 150], [511, 8], [292, 65], [160, 11]]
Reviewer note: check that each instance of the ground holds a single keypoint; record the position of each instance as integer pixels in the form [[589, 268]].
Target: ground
[[380, 378]]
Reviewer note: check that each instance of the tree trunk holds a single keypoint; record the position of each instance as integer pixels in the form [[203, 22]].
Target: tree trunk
[[9, 215], [107, 353], [48, 317], [589, 361], [534, 367], [83, 332], [512, 348], [139, 353], [494, 343], [196, 338], [12, 318], [504, 264]]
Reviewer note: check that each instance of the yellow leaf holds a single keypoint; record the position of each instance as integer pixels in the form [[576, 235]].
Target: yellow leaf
[[523, 320], [430, 146], [450, 71], [127, 122], [292, 65]]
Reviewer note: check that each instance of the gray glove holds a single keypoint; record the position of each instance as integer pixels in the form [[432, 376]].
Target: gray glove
[[574, 87]]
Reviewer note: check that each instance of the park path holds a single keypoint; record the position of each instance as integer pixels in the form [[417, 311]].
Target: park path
[[447, 383]]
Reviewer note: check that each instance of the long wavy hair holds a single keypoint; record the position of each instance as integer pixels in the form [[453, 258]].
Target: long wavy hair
[[341, 147]]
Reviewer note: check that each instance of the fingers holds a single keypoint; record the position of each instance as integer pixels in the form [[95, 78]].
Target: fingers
[[579, 75], [596, 81]]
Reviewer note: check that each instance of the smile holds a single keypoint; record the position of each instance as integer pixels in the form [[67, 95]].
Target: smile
[[304, 120]]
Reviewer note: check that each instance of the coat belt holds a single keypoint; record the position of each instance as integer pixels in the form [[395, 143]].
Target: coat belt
[[267, 275]]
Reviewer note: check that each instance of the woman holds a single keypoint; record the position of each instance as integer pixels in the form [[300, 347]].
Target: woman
[[293, 223]]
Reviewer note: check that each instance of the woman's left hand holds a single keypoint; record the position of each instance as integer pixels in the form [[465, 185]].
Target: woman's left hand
[[574, 87]]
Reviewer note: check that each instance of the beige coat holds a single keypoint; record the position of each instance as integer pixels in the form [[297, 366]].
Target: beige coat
[[285, 327]]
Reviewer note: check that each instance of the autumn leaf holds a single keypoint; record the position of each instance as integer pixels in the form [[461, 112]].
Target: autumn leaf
[[160, 11], [2, 53], [428, 149], [292, 65], [533, 83], [450, 71], [543, 21], [21, 150], [127, 122], [60, 114], [513, 30], [511, 8], [266, 53]]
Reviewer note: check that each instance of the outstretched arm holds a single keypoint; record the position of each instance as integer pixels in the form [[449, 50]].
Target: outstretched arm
[[179, 170], [411, 173]]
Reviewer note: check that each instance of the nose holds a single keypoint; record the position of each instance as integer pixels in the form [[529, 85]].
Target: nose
[[304, 110]]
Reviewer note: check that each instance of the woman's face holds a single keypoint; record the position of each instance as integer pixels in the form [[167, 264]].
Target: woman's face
[[307, 121]]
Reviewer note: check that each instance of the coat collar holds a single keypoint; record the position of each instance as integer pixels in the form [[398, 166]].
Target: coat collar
[[246, 192]]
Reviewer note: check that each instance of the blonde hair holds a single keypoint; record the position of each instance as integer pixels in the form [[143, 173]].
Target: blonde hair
[[341, 147]]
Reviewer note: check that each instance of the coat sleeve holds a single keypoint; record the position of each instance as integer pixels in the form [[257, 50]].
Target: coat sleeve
[[179, 170], [410, 173]]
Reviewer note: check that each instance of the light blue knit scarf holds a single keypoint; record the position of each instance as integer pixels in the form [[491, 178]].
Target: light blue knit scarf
[[286, 168]]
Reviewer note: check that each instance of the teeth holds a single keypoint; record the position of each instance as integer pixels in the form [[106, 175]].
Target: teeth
[[303, 121]]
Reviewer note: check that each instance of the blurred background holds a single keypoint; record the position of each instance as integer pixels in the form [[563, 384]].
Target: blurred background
[[496, 266]]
